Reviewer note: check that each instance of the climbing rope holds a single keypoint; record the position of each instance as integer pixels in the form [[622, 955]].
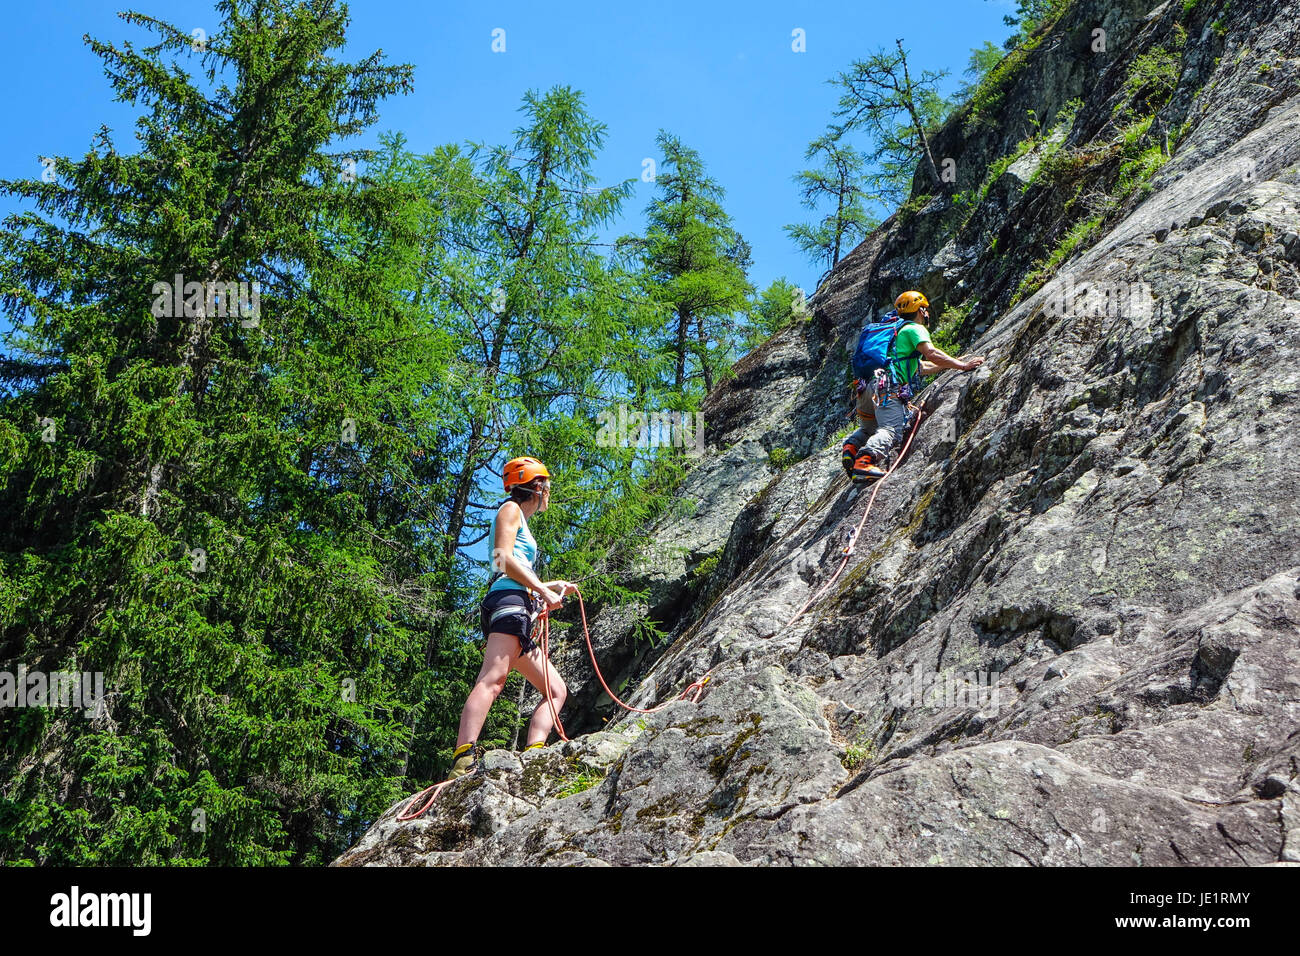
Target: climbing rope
[[542, 630], [694, 689], [853, 535]]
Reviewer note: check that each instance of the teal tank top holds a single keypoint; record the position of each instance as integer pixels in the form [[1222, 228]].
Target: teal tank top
[[525, 551]]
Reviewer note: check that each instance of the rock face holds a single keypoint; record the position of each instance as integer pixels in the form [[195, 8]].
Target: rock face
[[1070, 629]]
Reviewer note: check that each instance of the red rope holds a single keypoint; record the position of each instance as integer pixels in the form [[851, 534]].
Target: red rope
[[543, 626], [848, 549], [694, 689]]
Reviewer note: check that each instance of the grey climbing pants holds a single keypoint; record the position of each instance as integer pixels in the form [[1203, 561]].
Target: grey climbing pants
[[892, 420]]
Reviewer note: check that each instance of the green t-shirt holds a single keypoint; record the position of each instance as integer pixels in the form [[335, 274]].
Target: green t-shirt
[[907, 361]]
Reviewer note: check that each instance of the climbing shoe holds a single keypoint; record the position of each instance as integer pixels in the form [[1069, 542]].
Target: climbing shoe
[[537, 746], [864, 470], [463, 760], [846, 459]]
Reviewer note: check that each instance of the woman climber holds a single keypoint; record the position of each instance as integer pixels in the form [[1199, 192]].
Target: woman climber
[[507, 613]]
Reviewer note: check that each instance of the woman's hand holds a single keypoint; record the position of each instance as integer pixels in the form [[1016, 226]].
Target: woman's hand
[[552, 599]]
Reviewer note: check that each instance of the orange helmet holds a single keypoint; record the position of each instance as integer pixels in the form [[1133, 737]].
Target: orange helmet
[[521, 470], [909, 302]]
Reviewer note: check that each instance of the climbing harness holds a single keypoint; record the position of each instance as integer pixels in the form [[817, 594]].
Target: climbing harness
[[848, 550], [542, 631]]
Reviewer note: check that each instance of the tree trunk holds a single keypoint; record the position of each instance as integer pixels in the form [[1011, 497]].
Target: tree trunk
[[910, 104], [704, 355], [683, 324]]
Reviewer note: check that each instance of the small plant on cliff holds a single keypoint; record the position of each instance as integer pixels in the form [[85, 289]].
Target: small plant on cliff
[[1044, 268], [706, 567], [945, 334], [913, 206], [1152, 79], [584, 778], [856, 754], [781, 458]]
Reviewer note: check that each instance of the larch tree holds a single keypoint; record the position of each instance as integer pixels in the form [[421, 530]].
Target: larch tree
[[696, 263], [839, 181]]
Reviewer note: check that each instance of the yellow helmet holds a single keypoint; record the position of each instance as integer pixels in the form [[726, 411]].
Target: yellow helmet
[[909, 302]]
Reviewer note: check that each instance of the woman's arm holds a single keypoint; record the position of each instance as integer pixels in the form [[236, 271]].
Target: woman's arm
[[509, 519]]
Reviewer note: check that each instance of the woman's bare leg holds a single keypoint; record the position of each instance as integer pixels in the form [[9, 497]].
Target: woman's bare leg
[[498, 656], [531, 666]]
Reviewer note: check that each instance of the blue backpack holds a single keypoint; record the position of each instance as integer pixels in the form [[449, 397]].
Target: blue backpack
[[876, 345]]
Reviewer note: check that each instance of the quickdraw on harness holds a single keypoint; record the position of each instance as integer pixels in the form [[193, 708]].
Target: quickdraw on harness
[[541, 632]]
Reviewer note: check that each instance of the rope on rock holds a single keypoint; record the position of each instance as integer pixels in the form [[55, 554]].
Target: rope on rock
[[853, 535], [693, 690]]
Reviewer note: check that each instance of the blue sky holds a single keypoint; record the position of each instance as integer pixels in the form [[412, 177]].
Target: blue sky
[[722, 77]]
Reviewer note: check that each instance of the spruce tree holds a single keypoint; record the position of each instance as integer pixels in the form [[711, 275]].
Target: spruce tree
[[209, 454]]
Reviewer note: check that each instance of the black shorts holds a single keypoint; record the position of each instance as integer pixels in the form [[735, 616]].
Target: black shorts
[[508, 612]]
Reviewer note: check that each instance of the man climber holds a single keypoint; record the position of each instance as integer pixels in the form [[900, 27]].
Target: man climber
[[897, 350]]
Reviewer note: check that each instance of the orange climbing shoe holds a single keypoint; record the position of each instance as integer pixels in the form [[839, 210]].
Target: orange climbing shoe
[[865, 470], [846, 459]]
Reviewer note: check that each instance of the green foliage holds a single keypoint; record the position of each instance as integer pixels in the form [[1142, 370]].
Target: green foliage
[[781, 458], [1153, 75], [840, 182], [1152, 78], [1135, 173], [335, 461], [913, 206], [858, 753], [1031, 14], [1050, 145], [1219, 27], [897, 112], [945, 335], [1035, 19], [1078, 235], [780, 305], [582, 778], [648, 631], [263, 687], [694, 265], [983, 61], [705, 568]]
